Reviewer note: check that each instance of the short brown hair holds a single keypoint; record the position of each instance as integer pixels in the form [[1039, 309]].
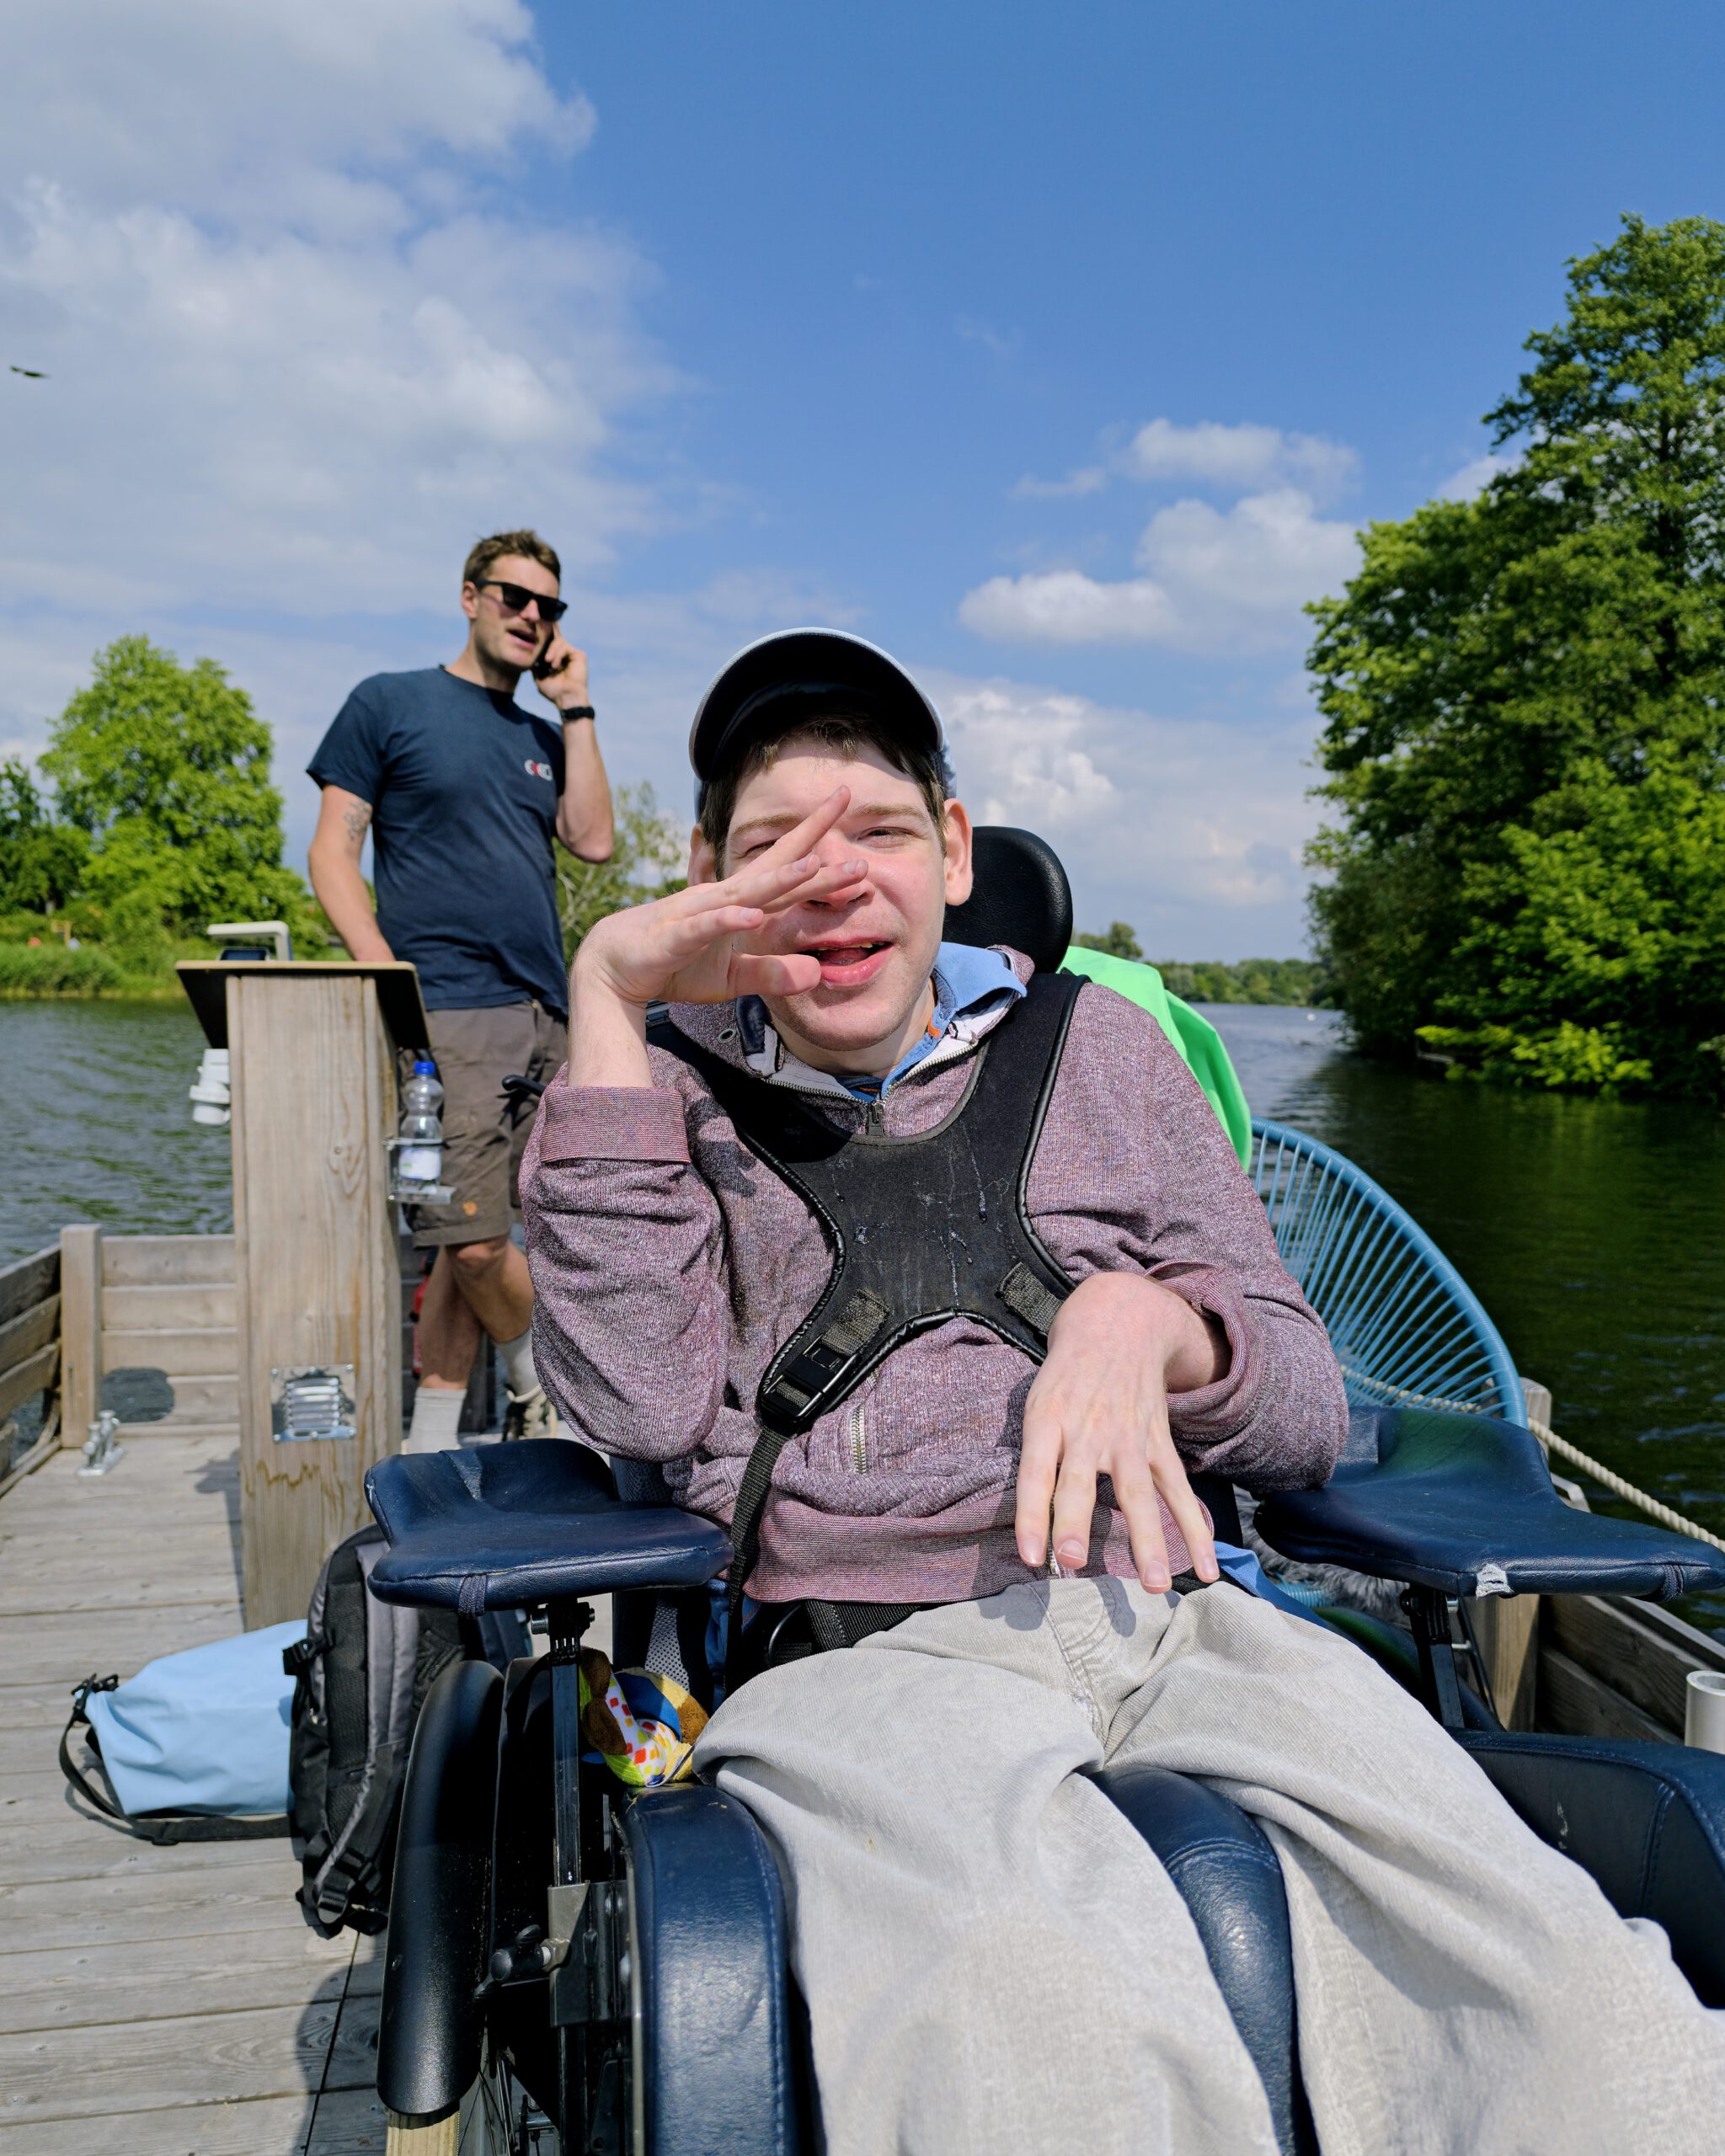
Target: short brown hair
[[528, 546], [843, 733]]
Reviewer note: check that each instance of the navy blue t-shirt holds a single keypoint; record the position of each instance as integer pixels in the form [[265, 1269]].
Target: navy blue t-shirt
[[464, 786]]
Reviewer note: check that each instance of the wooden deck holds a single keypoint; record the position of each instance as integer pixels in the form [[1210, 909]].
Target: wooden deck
[[156, 2002]]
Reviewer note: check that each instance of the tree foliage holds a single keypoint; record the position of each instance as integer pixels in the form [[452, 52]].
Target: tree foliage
[[1524, 706], [1120, 941], [41, 860], [163, 772], [646, 862]]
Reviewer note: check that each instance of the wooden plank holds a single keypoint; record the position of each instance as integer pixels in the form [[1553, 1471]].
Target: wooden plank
[[28, 1330], [1507, 1627], [349, 2123], [27, 1280], [31, 1654], [269, 2052], [86, 1987], [197, 1901], [165, 1306], [80, 1329], [162, 1261], [182, 1351], [1575, 1703], [28, 1587], [1613, 1641], [270, 2125], [317, 1261], [198, 1401], [25, 1380]]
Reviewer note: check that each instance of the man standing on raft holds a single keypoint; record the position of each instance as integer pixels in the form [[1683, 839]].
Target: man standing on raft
[[463, 792]]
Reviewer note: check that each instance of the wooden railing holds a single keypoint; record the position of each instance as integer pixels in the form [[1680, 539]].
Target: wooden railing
[[29, 1359], [152, 1313]]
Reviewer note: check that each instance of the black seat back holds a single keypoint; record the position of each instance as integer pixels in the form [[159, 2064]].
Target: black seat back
[[1021, 897]]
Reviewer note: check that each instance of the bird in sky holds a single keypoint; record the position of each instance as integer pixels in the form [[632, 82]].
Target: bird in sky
[[30, 374]]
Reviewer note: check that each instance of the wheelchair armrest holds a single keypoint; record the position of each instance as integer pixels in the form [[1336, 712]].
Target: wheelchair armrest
[[1464, 1504], [504, 1526]]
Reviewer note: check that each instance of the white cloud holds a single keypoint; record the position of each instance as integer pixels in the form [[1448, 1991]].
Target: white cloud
[[1190, 829], [296, 360], [1212, 580], [1474, 478], [1237, 458], [1088, 479]]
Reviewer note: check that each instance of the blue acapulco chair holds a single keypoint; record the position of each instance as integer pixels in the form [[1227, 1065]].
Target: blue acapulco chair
[[1406, 1328]]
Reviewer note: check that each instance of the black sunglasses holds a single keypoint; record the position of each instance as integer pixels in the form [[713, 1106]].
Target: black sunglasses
[[516, 596]]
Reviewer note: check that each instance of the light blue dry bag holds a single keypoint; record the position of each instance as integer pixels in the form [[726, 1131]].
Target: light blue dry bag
[[204, 1732]]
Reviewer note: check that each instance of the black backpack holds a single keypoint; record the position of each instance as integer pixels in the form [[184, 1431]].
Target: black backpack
[[361, 1675]]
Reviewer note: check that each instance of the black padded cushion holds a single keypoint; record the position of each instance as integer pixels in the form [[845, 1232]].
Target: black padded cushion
[[1228, 1876], [1434, 1498], [503, 1526], [1021, 897], [718, 2052], [1647, 1820]]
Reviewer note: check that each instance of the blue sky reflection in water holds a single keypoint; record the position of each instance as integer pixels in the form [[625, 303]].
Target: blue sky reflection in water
[[1593, 1232]]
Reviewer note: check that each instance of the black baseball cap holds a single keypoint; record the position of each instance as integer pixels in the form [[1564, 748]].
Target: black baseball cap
[[805, 673]]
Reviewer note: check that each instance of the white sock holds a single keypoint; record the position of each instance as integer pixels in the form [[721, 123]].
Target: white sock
[[435, 1415], [518, 1372]]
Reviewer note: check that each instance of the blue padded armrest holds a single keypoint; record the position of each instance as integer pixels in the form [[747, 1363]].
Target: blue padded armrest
[[1647, 1820], [502, 1526], [719, 2057], [1439, 1499]]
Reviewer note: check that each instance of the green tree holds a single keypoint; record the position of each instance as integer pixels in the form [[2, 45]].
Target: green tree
[[1524, 706], [1120, 941], [646, 862], [165, 771], [41, 860]]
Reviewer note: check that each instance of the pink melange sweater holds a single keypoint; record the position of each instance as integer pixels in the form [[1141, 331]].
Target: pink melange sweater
[[670, 1266]]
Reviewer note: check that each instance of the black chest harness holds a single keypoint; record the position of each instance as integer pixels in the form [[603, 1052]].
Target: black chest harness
[[920, 1230]]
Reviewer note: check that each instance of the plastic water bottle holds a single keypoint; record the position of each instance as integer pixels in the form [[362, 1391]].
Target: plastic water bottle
[[420, 1156]]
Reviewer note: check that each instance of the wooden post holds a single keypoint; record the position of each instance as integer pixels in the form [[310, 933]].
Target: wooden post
[[80, 1330], [316, 1263], [1507, 1627]]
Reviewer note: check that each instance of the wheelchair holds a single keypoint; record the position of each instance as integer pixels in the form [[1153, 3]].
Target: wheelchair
[[575, 1968]]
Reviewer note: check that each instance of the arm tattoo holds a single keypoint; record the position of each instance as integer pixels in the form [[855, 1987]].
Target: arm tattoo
[[355, 820]]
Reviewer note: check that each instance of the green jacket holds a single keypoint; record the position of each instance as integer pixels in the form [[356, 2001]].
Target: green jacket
[[1199, 1044]]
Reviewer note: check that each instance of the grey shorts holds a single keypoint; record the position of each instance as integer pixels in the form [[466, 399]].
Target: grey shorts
[[484, 1133]]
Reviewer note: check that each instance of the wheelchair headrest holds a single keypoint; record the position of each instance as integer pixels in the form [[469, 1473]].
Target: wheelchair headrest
[[1021, 897]]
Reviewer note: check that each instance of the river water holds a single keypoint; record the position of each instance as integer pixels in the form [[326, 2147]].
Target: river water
[[1593, 1231]]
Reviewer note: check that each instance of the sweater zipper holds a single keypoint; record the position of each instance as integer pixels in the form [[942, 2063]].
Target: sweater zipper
[[858, 1434]]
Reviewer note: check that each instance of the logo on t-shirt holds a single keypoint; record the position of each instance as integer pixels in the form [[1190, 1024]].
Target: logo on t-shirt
[[540, 771]]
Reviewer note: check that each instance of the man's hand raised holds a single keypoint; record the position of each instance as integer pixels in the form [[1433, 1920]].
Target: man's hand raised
[[1099, 1406], [687, 948]]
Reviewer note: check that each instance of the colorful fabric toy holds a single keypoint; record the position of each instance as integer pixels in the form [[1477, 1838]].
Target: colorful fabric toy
[[641, 1725]]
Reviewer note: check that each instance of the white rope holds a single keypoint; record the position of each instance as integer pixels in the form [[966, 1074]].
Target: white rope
[[1618, 1487], [1607, 1477]]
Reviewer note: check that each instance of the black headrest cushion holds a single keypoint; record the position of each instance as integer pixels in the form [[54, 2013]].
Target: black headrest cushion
[[1021, 897]]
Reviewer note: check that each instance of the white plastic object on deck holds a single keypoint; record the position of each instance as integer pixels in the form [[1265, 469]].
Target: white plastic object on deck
[[210, 1092], [1704, 1716]]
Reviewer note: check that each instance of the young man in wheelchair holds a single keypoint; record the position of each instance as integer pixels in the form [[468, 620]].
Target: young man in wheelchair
[[783, 1248]]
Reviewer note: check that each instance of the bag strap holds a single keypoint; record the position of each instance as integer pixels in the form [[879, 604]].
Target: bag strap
[[161, 1827]]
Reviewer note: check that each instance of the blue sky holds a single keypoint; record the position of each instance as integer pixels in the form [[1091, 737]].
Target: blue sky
[[1061, 350]]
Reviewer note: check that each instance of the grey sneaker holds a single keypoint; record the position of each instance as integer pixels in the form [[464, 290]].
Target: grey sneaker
[[530, 1415]]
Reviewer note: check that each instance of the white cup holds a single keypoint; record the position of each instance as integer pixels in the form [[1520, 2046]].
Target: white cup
[[1704, 1719]]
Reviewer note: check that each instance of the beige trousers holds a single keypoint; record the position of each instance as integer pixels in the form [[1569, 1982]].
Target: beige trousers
[[995, 1961]]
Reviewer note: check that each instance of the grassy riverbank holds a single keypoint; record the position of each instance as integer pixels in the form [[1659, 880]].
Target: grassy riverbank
[[48, 972]]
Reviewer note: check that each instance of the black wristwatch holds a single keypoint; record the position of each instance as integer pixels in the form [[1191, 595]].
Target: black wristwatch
[[578, 711]]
